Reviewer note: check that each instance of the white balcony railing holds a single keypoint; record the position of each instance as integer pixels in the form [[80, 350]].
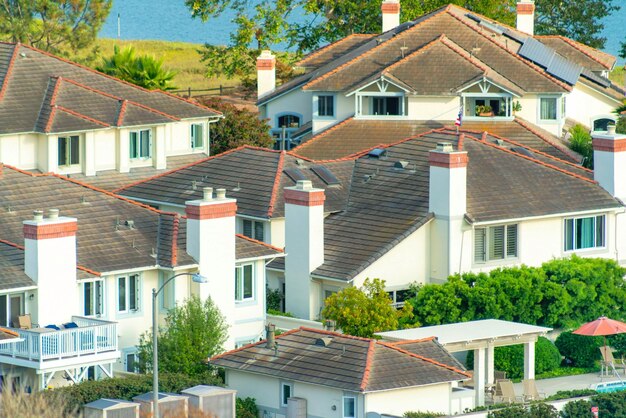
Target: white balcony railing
[[92, 337]]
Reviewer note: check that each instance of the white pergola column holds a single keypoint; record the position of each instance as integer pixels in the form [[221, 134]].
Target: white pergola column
[[490, 361], [479, 375], [529, 360]]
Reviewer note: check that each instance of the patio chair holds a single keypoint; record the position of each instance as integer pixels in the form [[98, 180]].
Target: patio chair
[[505, 392], [609, 361], [24, 322], [530, 391]]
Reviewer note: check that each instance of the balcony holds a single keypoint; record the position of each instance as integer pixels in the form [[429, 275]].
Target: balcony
[[92, 342]]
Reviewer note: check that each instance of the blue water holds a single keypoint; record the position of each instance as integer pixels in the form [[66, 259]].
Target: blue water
[[171, 20], [610, 387]]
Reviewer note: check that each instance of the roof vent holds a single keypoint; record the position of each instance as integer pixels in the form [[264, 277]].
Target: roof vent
[[499, 142], [523, 151], [444, 147], [220, 193], [401, 165], [377, 153], [130, 224], [324, 341], [53, 214]]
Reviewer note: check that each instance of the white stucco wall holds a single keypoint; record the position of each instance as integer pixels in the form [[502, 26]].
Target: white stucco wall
[[344, 108], [585, 105], [432, 398], [433, 108], [21, 151], [277, 232], [297, 101]]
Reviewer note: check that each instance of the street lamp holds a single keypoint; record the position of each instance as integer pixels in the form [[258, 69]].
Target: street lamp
[[197, 278]]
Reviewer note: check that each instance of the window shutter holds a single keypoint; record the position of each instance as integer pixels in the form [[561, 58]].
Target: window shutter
[[511, 241], [133, 292], [247, 228], [238, 283], [496, 242], [600, 231], [479, 245], [99, 297]]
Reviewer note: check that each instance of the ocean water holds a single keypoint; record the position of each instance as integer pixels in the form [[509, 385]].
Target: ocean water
[[171, 20]]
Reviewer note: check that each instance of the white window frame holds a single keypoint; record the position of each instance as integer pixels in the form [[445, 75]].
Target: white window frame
[[316, 106], [487, 243], [138, 146], [94, 295], [469, 104], [192, 136], [127, 294], [22, 297], [343, 406], [369, 96], [282, 393], [132, 351], [595, 247], [239, 287], [68, 151], [253, 228], [560, 109]]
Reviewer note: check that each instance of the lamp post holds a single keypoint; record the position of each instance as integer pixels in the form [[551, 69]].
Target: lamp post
[[197, 278]]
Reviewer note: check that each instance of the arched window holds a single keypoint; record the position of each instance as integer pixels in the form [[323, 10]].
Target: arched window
[[289, 121], [601, 124]]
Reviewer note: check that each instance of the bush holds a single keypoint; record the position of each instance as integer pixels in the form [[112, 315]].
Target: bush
[[128, 387], [274, 298], [411, 414], [579, 350], [36, 405], [620, 126], [567, 394], [539, 410], [511, 358], [246, 408], [580, 142]]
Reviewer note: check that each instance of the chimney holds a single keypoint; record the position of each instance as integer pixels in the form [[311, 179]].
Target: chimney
[[270, 337], [391, 14], [266, 73], [50, 260], [448, 202], [609, 162], [304, 245], [526, 16], [211, 242]]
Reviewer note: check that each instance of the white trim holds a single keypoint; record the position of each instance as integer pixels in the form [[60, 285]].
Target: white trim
[[376, 81], [558, 215]]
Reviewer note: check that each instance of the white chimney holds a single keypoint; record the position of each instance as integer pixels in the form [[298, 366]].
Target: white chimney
[[526, 16], [266, 73], [391, 14], [50, 260], [609, 163], [304, 246], [448, 202], [211, 242]]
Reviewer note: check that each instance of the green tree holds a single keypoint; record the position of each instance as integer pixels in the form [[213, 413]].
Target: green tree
[[364, 311], [240, 126], [194, 332], [145, 70], [580, 141], [55, 26]]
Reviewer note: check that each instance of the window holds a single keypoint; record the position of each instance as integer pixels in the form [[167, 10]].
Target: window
[[244, 282], [548, 108], [495, 243], [386, 106], [93, 298], [253, 229], [69, 150], [197, 140], [141, 144], [325, 106], [11, 306], [131, 361], [289, 121], [582, 233], [286, 392], [128, 293], [349, 407]]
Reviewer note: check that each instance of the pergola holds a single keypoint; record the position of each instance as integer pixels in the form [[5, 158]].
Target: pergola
[[481, 337]]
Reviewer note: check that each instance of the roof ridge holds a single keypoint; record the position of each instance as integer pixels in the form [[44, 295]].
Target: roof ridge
[[244, 347], [333, 333], [418, 340], [175, 226], [256, 241], [9, 331], [576, 45], [393, 347], [84, 67], [332, 44], [528, 126], [53, 99], [529, 64], [121, 113], [279, 174], [368, 365], [7, 75]]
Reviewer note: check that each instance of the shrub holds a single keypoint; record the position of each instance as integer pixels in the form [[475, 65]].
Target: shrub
[[246, 408], [567, 394], [620, 126], [539, 410], [36, 405], [274, 298], [576, 409], [511, 358], [411, 414], [579, 350], [580, 142]]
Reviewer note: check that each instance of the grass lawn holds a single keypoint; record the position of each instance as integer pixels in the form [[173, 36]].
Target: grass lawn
[[181, 57], [617, 76]]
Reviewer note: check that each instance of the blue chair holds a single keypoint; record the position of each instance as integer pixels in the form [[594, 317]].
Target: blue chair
[[54, 327], [70, 325]]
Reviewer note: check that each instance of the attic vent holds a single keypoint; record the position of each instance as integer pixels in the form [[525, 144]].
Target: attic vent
[[523, 151], [377, 153], [499, 142], [294, 174], [401, 165], [323, 342], [130, 224], [325, 174]]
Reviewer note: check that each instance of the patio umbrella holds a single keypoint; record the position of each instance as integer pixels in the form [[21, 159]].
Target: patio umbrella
[[601, 326]]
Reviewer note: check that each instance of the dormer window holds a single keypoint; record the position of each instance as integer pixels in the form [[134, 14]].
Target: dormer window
[[68, 150], [386, 106], [140, 144], [289, 121], [382, 98]]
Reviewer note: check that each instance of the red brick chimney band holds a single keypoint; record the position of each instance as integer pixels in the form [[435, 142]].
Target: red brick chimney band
[[447, 160], [304, 198], [390, 8], [265, 63], [214, 211], [609, 145], [50, 230], [525, 8]]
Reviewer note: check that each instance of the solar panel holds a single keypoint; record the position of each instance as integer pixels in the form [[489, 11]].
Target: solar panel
[[537, 52], [523, 151], [590, 75], [325, 174], [516, 37], [547, 57], [377, 153], [494, 27], [294, 174], [564, 69]]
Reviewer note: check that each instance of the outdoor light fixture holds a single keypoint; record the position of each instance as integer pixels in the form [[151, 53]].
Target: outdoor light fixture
[[196, 278]]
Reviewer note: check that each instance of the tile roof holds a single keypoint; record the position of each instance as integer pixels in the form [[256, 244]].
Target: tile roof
[[581, 54], [355, 135], [345, 362], [333, 51], [40, 92], [105, 241], [254, 176]]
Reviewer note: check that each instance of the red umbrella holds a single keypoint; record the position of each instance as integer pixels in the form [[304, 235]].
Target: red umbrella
[[601, 326]]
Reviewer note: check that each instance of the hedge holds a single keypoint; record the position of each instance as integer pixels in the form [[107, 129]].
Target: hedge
[[579, 350]]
